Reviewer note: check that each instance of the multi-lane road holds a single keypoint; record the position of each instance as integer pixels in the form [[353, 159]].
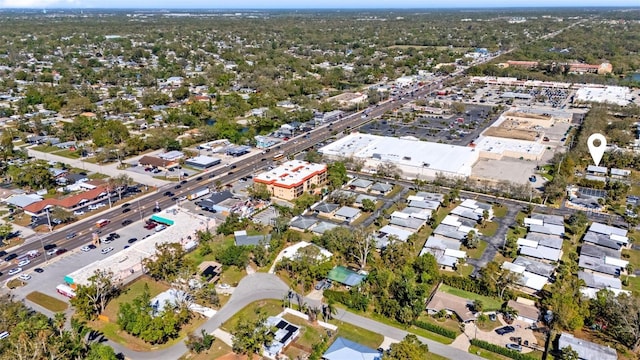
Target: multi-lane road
[[247, 165]]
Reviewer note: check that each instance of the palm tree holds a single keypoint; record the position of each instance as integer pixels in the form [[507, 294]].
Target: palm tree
[[59, 320]]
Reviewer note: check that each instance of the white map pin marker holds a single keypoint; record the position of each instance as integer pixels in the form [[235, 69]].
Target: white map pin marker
[[597, 151]]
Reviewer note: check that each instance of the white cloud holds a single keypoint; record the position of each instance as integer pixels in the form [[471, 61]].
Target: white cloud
[[37, 3]]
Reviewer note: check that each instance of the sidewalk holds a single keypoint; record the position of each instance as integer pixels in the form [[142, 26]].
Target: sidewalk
[[109, 169]]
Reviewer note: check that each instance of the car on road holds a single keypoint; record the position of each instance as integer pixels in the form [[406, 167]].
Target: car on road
[[24, 277], [177, 186], [50, 246], [505, 330], [14, 271], [183, 182], [24, 262], [51, 252], [107, 250], [10, 257], [168, 193], [85, 248], [3, 253], [124, 211], [132, 240], [39, 270], [78, 213], [71, 235], [113, 236], [199, 178], [125, 205], [211, 176], [127, 222], [160, 228], [61, 251], [514, 347]]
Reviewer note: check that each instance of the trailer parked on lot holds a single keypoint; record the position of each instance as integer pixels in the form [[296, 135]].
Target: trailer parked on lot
[[198, 194]]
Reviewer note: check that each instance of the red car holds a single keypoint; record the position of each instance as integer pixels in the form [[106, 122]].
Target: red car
[[150, 225], [286, 139]]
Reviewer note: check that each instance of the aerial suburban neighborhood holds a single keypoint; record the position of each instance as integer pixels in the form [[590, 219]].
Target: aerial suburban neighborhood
[[320, 184]]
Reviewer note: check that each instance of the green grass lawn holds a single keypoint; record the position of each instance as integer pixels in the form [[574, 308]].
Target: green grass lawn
[[97, 176], [489, 303], [45, 148], [47, 302], [131, 292], [486, 353], [217, 350], [68, 154], [478, 251], [269, 307], [232, 275], [358, 334], [489, 228], [499, 211]]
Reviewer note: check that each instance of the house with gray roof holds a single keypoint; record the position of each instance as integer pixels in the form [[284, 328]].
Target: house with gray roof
[[606, 229], [430, 196], [446, 251], [381, 188], [449, 231], [409, 223], [360, 185], [586, 350], [596, 281], [347, 213], [424, 204], [535, 267], [603, 240], [326, 209], [302, 223], [242, 239], [322, 226], [23, 200], [549, 219]]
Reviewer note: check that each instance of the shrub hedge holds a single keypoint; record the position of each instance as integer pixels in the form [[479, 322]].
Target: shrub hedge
[[501, 350]]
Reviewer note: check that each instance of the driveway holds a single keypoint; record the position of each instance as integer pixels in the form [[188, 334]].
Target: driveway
[[496, 241]]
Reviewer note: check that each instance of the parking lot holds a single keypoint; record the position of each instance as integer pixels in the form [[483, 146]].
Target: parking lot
[[58, 266], [457, 129]]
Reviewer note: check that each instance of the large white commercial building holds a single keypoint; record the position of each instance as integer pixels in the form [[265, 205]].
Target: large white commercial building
[[415, 158]]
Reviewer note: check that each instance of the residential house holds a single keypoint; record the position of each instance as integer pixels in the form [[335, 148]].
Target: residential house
[[347, 214], [242, 239], [343, 349], [586, 350], [452, 304], [362, 185], [284, 334], [527, 310], [381, 188]]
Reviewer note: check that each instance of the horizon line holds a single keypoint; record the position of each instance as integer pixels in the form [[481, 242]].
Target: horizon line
[[164, 8]]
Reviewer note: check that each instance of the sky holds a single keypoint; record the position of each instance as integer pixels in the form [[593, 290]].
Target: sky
[[296, 4]]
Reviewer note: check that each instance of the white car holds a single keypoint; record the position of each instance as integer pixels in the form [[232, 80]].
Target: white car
[[224, 286], [100, 205], [78, 213], [85, 248], [107, 250], [51, 252], [160, 228], [106, 241], [92, 207], [24, 262], [24, 277], [15, 271]]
